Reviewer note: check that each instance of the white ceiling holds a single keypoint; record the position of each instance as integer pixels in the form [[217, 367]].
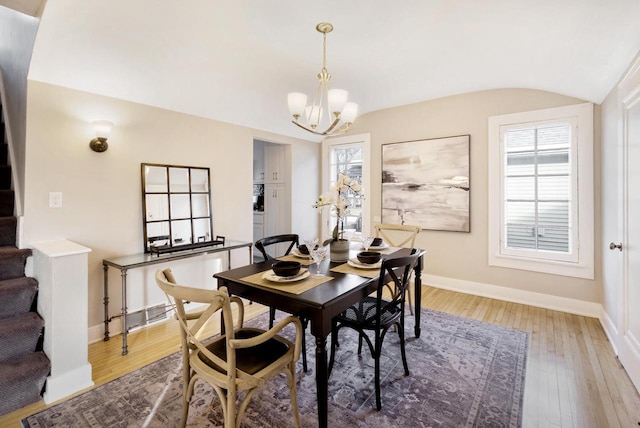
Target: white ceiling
[[235, 61]]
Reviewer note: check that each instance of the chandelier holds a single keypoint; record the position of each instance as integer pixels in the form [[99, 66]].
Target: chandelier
[[341, 113]]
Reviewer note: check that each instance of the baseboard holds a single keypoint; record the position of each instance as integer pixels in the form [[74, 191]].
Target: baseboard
[[66, 384], [546, 301], [96, 333], [610, 330], [630, 358]]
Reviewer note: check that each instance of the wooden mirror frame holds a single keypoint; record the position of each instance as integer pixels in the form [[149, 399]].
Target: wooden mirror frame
[[176, 208]]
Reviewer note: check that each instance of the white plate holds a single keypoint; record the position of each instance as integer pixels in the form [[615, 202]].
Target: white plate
[[356, 264], [297, 253], [270, 276]]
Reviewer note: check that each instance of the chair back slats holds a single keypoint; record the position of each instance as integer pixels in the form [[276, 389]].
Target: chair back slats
[[399, 271], [398, 235], [271, 241]]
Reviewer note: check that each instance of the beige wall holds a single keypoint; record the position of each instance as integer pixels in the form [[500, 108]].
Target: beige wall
[[464, 256], [101, 191]]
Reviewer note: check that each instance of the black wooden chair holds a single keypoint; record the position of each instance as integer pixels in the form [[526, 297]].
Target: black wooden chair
[[268, 246], [270, 243], [378, 315]]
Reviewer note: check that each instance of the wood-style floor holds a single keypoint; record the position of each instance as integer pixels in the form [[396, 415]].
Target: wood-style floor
[[573, 377]]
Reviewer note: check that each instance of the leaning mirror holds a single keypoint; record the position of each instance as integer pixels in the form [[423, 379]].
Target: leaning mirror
[[176, 208]]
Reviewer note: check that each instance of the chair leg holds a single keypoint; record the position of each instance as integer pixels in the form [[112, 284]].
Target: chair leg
[[402, 349], [272, 316], [305, 322], [294, 396], [377, 378], [334, 340]]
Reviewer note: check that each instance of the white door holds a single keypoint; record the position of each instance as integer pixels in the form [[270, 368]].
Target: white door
[[630, 331]]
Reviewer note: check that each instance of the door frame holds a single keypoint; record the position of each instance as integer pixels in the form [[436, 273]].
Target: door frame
[[628, 345]]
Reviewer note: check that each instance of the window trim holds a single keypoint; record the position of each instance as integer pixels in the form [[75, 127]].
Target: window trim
[[583, 265], [349, 140]]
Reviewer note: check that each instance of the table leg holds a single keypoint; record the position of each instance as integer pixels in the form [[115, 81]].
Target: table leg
[[125, 327], [322, 387], [417, 295], [106, 302]]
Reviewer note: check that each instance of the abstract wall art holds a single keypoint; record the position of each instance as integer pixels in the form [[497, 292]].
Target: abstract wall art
[[426, 183]]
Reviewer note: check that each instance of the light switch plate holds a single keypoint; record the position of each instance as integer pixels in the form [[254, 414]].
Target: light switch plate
[[55, 199]]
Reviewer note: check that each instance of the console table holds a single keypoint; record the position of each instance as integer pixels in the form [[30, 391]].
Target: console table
[[145, 259]]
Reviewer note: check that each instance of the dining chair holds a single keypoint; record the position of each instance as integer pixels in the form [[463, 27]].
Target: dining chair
[[240, 359], [399, 235], [268, 247], [273, 243], [377, 314]]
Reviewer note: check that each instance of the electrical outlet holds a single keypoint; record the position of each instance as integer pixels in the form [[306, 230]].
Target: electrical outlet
[[55, 199]]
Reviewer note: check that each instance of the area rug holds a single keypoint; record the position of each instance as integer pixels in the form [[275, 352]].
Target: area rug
[[463, 373]]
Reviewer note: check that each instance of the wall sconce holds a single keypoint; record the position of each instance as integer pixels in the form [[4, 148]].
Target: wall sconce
[[102, 129]]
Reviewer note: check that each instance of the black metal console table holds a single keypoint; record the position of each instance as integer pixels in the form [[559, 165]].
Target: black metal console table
[[145, 259]]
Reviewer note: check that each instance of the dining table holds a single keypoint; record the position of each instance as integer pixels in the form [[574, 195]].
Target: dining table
[[317, 298]]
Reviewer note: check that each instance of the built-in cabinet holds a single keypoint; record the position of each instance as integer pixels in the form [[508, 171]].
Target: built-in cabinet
[[258, 162], [271, 169], [275, 163], [275, 208], [258, 225]]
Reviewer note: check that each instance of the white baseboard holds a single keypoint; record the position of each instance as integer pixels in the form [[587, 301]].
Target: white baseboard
[[546, 301], [610, 330], [66, 384], [630, 358], [96, 333]]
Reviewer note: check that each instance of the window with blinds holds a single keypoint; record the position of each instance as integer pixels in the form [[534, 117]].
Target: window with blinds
[[541, 191], [538, 187]]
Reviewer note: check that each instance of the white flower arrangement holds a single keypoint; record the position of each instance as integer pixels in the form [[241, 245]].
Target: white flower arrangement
[[338, 201]]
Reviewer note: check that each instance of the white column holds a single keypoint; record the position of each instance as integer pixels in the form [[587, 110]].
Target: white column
[[61, 270]]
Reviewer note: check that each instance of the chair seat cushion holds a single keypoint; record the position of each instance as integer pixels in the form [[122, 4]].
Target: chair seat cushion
[[249, 360], [363, 314]]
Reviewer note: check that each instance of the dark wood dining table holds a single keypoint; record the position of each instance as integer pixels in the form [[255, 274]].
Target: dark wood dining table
[[319, 305]]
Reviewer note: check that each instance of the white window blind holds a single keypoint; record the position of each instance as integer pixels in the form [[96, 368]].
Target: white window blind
[[541, 191], [538, 187]]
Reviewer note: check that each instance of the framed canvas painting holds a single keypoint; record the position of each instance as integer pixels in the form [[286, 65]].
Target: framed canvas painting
[[426, 183]]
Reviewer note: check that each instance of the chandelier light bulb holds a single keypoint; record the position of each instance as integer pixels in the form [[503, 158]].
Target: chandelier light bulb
[[337, 99], [349, 113], [297, 103]]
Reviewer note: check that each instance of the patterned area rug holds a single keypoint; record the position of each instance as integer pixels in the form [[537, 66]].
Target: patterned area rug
[[464, 373]]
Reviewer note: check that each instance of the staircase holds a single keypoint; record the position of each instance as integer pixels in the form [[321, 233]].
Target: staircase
[[23, 365]]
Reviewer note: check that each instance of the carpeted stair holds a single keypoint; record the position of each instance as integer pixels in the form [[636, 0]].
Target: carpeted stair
[[23, 366]]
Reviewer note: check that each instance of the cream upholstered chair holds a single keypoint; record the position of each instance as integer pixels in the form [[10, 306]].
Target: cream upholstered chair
[[399, 235], [241, 359]]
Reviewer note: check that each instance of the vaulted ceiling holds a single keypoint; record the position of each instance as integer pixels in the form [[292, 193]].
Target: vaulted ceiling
[[235, 61]]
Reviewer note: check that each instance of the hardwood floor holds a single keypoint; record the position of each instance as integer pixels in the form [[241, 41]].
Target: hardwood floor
[[573, 377]]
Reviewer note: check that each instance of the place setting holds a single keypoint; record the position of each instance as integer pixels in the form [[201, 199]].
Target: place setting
[[366, 263], [289, 275]]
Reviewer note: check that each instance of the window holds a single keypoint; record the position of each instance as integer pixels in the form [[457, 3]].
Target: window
[[541, 191], [350, 156]]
